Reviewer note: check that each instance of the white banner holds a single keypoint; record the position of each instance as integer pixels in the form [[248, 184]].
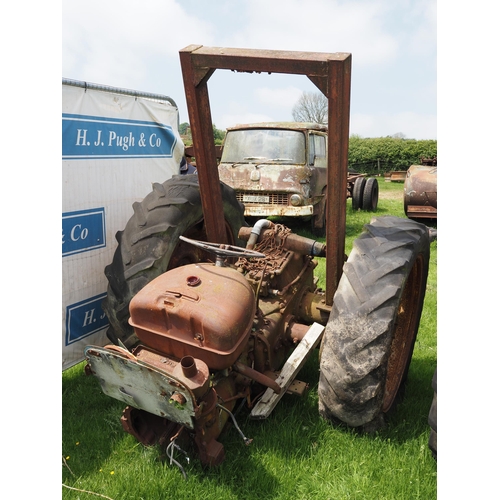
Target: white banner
[[114, 147]]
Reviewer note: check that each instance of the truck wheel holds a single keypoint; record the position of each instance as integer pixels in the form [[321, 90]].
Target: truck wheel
[[433, 419], [149, 245], [370, 195], [357, 193], [369, 338]]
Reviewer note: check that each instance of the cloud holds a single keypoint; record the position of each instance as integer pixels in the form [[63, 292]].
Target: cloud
[[412, 125], [281, 97], [230, 120], [423, 40], [136, 45], [114, 42], [320, 26], [274, 104]]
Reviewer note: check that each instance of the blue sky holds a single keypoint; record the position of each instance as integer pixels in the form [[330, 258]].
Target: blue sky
[[393, 44]]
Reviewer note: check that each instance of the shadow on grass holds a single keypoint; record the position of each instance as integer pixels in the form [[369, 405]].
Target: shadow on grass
[[90, 423], [407, 420], [92, 437], [291, 437]]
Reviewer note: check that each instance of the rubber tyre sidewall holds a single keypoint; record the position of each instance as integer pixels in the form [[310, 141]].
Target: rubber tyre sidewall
[[356, 345], [370, 195], [357, 193]]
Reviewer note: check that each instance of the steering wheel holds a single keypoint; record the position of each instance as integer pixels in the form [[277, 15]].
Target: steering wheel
[[221, 250]]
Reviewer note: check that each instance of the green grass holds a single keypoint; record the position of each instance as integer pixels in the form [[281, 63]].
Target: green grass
[[294, 454]]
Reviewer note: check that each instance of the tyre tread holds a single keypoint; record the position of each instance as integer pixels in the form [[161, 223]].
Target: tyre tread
[[358, 336]]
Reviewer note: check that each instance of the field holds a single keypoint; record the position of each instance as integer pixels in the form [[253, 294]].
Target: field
[[294, 454]]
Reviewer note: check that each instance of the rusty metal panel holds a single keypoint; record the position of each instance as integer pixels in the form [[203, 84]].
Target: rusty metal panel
[[265, 211], [421, 212], [181, 313], [141, 386], [339, 97], [396, 176], [420, 192], [200, 121]]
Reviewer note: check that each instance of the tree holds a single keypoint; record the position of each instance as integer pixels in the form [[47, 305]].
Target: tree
[[183, 128], [218, 135], [311, 107]]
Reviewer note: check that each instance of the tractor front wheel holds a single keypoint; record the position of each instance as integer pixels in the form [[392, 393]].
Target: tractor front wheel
[[368, 341]]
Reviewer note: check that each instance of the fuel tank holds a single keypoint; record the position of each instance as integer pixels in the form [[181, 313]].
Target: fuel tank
[[420, 192], [198, 310]]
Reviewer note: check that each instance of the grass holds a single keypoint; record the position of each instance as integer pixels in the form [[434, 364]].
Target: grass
[[294, 454]]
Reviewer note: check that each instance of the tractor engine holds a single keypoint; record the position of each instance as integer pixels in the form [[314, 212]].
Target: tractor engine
[[210, 336]]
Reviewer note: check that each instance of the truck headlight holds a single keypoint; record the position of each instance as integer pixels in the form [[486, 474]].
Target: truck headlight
[[296, 200]]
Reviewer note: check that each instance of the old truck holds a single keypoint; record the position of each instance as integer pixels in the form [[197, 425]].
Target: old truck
[[279, 169], [207, 313]]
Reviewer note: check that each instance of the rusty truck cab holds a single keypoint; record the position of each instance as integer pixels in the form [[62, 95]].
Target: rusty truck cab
[[276, 169]]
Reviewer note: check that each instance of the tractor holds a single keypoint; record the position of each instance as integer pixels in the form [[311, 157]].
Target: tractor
[[207, 313]]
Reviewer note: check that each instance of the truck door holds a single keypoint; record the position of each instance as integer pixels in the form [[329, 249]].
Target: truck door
[[317, 163]]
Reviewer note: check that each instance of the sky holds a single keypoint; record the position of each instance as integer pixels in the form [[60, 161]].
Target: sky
[[393, 43]]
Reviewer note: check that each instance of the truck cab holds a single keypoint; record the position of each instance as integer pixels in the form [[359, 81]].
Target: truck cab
[[277, 169]]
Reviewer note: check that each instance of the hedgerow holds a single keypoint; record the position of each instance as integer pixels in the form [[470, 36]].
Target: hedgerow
[[383, 154]]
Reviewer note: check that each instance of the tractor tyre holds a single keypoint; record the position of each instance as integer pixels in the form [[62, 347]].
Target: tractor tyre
[[370, 195], [150, 245], [368, 341], [357, 193], [432, 419]]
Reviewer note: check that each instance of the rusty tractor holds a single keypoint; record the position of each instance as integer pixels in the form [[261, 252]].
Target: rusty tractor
[[280, 169], [207, 313]]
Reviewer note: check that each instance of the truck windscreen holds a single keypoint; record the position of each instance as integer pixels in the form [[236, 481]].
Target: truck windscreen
[[264, 145]]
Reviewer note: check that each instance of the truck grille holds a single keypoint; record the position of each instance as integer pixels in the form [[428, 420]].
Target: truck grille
[[274, 198]]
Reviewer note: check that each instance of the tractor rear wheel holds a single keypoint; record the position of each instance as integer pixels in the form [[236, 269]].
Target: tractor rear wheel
[[150, 245], [368, 341]]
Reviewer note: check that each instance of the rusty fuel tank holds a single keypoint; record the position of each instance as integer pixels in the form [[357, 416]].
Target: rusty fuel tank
[[197, 310], [420, 192]]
